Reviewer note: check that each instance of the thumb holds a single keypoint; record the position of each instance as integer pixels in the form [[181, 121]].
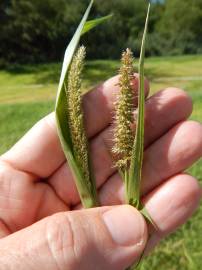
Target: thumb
[[99, 238]]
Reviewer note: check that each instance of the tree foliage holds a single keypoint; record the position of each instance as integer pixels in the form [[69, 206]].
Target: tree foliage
[[38, 31], [180, 27]]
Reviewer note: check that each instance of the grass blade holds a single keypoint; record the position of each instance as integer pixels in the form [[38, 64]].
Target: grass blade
[[61, 117], [135, 172], [71, 50], [87, 189], [93, 23]]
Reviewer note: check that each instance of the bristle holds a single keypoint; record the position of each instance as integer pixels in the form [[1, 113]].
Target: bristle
[[123, 135]]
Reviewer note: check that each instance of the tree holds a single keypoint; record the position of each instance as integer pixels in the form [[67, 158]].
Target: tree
[[38, 30], [123, 30], [180, 27]]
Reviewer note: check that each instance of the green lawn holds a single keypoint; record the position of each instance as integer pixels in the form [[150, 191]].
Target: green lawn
[[28, 92]]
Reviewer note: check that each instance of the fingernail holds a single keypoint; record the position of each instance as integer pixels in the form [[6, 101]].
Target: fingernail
[[126, 225]]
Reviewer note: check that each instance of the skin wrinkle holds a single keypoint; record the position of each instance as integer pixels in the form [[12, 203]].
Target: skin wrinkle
[[11, 205], [72, 241], [8, 190], [4, 230], [38, 207], [61, 190], [8, 202], [73, 233], [62, 206], [50, 249], [2, 176], [16, 258], [60, 239], [3, 171], [7, 163]]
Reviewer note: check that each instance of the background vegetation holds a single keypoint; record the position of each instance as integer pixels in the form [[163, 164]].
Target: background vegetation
[[37, 31], [32, 40]]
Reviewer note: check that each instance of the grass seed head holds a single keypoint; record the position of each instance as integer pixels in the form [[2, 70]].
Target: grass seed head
[[123, 134], [75, 112]]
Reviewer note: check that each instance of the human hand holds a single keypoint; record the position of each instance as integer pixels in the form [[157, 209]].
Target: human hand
[[39, 226]]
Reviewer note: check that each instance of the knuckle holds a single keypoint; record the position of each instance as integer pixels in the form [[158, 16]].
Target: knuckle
[[195, 127], [60, 241], [49, 122], [180, 93], [175, 90]]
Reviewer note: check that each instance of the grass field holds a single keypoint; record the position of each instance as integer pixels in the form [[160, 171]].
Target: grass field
[[27, 94]]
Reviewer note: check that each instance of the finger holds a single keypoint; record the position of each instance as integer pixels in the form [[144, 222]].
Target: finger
[[78, 240], [173, 202], [171, 154], [164, 110], [169, 205], [159, 120], [39, 151]]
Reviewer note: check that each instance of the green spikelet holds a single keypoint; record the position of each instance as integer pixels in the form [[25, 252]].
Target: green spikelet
[[123, 135], [76, 123]]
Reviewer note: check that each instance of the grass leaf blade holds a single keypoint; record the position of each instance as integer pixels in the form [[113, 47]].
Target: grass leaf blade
[[71, 49], [93, 23], [87, 193], [133, 185]]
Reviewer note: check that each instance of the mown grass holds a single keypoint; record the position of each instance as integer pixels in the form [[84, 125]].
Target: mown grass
[[27, 94]]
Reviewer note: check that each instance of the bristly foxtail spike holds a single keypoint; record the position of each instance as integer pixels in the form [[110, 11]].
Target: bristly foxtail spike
[[123, 134], [73, 91]]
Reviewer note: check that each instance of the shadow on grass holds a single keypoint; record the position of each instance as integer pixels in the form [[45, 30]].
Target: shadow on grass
[[43, 73], [95, 71], [152, 73], [16, 119]]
